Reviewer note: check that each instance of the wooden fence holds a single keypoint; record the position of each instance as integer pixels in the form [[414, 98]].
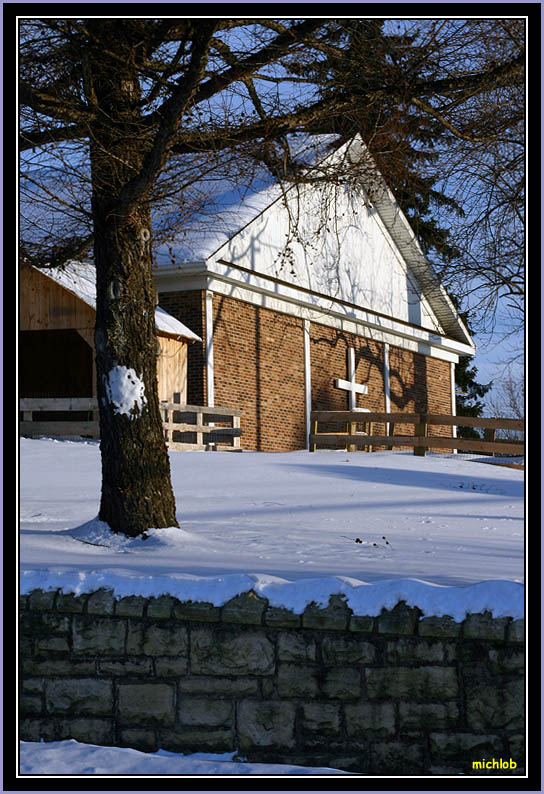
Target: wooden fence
[[77, 426], [206, 436], [420, 440]]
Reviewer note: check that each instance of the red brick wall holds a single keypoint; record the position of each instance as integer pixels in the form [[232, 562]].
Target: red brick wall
[[188, 307], [328, 351], [419, 383], [259, 368]]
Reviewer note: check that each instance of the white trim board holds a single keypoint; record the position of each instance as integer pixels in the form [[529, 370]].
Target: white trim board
[[406, 338]]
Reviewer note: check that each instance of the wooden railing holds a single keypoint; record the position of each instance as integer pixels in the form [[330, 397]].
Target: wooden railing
[[420, 440], [206, 436], [30, 426]]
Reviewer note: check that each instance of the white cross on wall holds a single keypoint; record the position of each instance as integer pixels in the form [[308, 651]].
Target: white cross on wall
[[350, 386]]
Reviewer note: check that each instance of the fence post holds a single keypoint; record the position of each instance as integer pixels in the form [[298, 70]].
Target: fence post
[[391, 433], [420, 429], [236, 439], [313, 431], [166, 419], [351, 429], [199, 421], [370, 428], [490, 435]]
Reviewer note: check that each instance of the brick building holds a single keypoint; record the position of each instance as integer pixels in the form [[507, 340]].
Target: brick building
[[299, 293]]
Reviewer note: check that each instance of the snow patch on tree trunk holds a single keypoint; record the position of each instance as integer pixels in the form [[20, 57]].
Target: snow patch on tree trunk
[[126, 391]]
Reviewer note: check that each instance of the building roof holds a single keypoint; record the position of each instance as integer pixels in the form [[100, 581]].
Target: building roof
[[231, 209], [79, 279]]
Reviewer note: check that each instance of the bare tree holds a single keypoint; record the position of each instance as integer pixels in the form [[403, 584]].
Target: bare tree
[[508, 400], [122, 117], [441, 106]]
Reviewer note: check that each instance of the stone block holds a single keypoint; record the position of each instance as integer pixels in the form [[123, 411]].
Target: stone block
[[146, 704], [42, 625], [333, 617], [399, 620], [414, 650], [197, 739], [141, 739], [79, 696], [515, 631], [362, 624], [244, 608], [417, 683], [496, 707], [370, 721], [52, 644], [56, 666], [297, 680], [30, 704], [464, 747], [161, 607], [424, 717], [99, 636], [101, 603], [517, 748], [201, 611], [227, 687], [295, 647], [396, 758], [439, 627], [346, 650], [321, 718], [266, 724], [343, 683], [41, 600], [507, 660], [151, 639], [169, 666], [281, 618], [125, 667], [482, 626], [35, 729], [88, 730], [68, 602], [32, 685], [130, 606], [205, 711], [224, 653]]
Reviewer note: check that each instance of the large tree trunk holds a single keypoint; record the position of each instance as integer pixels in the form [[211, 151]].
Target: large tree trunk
[[136, 485]]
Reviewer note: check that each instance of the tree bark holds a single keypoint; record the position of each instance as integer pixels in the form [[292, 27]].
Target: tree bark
[[137, 492]]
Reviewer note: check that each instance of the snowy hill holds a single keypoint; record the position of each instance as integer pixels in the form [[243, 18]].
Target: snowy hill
[[443, 532]]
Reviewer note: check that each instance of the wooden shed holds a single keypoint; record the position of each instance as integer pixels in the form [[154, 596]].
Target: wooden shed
[[56, 339]]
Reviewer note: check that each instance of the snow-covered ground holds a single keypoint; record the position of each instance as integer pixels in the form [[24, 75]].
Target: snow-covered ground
[[73, 758], [444, 532]]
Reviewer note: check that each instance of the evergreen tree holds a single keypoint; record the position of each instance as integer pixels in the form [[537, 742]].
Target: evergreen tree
[[468, 392]]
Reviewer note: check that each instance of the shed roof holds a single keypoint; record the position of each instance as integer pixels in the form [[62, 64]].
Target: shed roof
[[79, 279]]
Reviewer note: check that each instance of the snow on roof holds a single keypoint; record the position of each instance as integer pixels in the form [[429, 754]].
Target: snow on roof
[[79, 279], [229, 202], [228, 199]]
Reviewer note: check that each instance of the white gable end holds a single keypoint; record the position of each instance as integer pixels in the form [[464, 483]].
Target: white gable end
[[329, 240]]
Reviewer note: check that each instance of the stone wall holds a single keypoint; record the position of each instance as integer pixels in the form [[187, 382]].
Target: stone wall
[[396, 694]]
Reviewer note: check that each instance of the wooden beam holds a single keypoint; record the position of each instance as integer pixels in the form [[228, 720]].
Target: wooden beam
[[58, 404], [60, 429], [184, 427], [469, 444], [201, 409], [431, 419]]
